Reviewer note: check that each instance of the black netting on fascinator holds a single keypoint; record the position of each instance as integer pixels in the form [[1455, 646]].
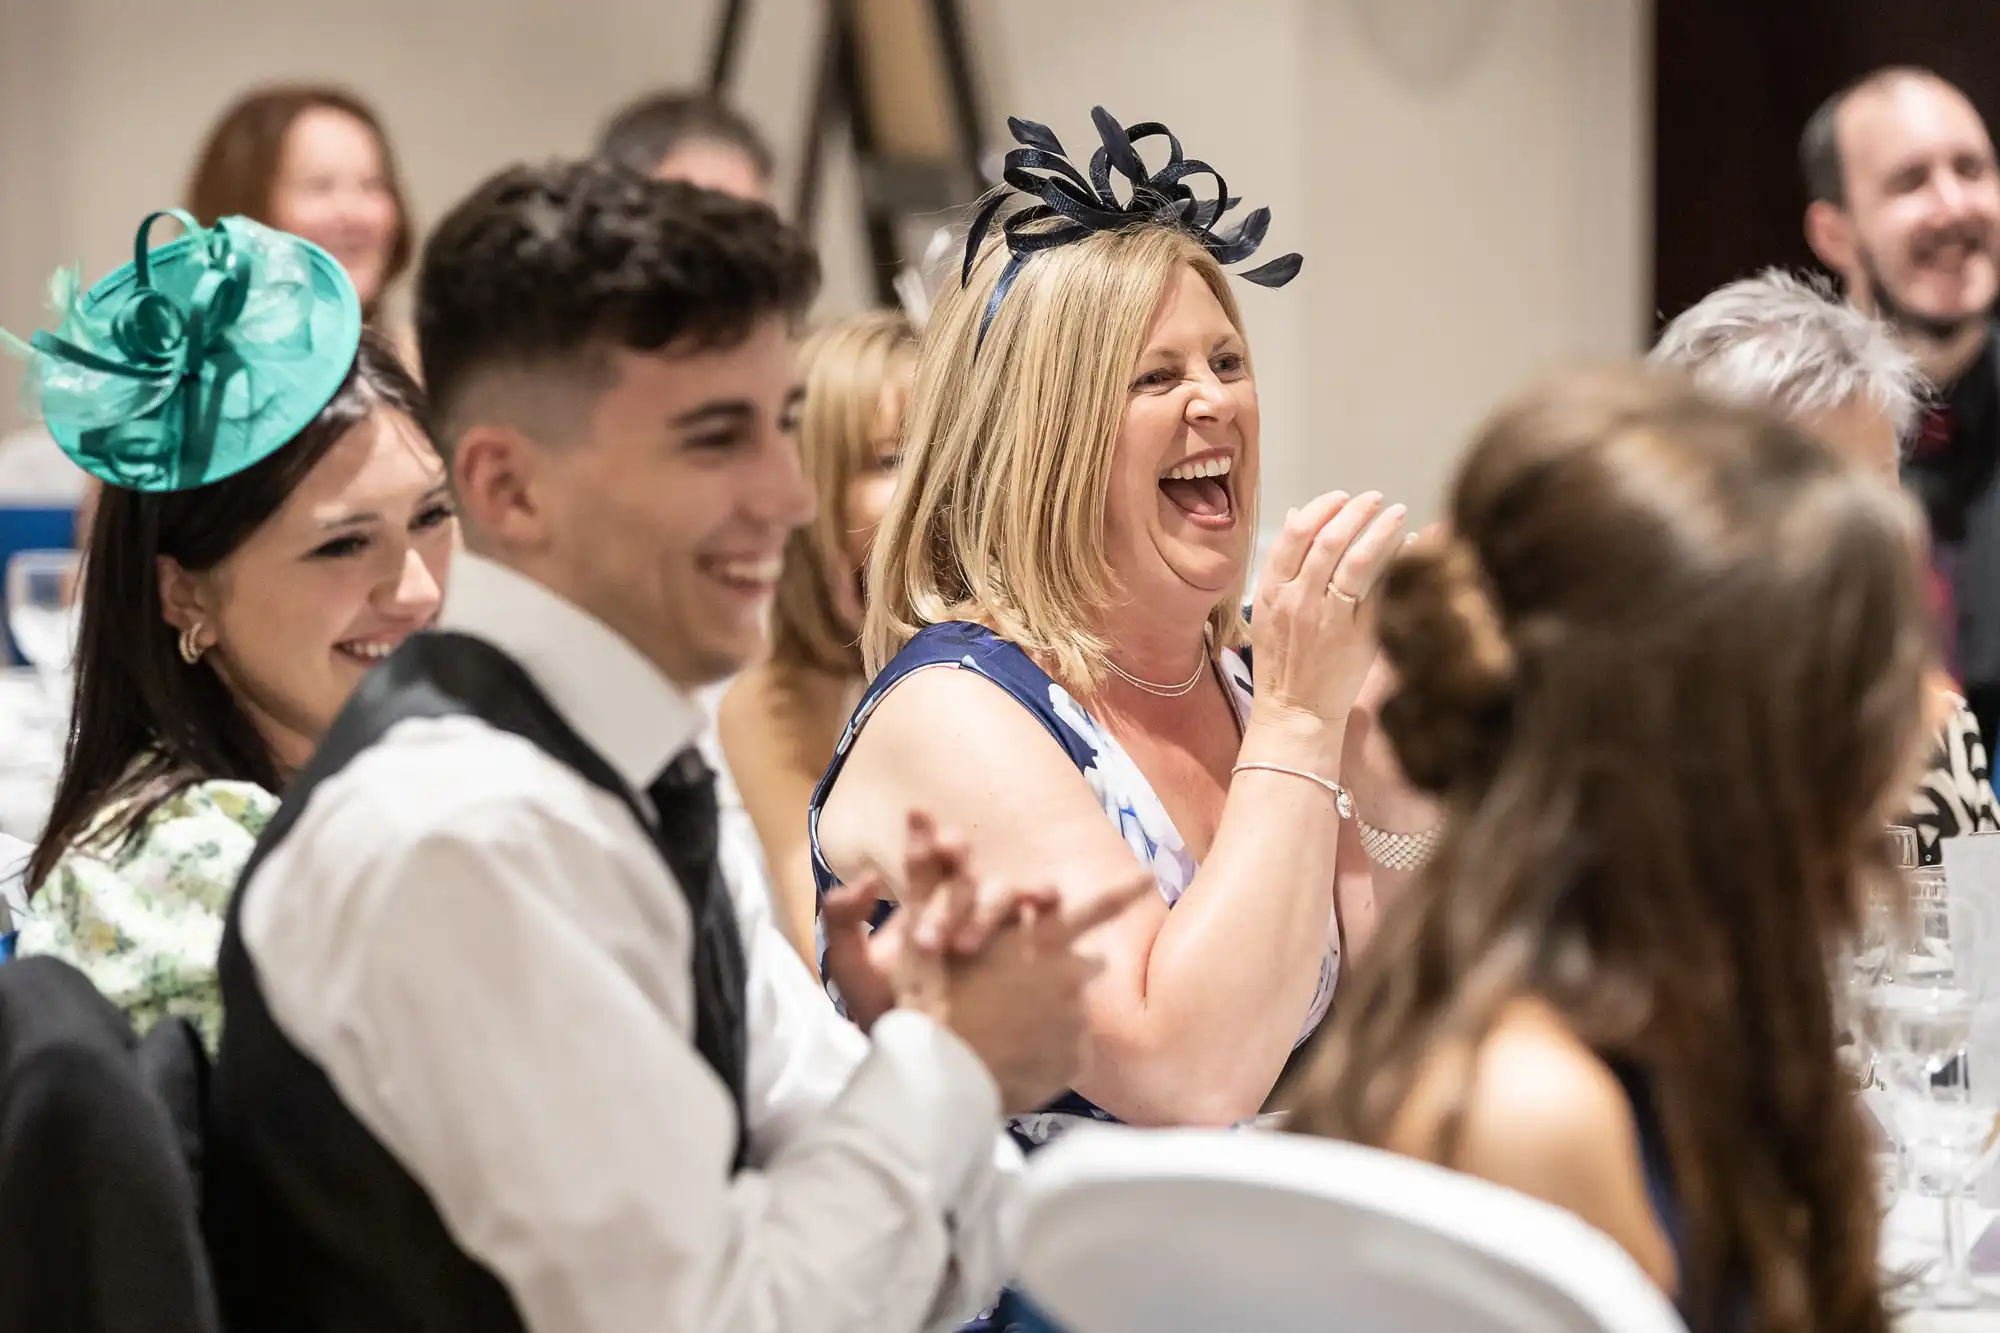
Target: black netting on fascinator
[[1080, 207]]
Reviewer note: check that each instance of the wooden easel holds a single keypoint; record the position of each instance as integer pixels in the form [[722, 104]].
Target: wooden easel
[[899, 75]]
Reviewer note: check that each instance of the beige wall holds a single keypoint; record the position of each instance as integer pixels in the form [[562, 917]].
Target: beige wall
[[1466, 178], [101, 112], [1480, 199]]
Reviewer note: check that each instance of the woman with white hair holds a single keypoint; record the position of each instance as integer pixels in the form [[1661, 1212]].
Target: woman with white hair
[[1785, 342]]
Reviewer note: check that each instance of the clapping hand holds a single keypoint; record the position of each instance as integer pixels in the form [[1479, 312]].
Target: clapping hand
[[942, 913], [999, 966]]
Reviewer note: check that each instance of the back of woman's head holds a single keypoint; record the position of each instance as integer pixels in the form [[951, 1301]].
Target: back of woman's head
[[856, 381], [1666, 669], [1642, 585], [147, 724], [1008, 448]]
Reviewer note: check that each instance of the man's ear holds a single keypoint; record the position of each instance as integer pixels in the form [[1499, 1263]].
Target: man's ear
[[1830, 233], [497, 474]]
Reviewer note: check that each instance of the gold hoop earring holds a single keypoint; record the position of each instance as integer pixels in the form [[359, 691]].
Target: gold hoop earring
[[191, 645]]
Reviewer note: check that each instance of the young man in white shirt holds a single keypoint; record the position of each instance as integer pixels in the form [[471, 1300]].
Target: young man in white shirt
[[500, 1052]]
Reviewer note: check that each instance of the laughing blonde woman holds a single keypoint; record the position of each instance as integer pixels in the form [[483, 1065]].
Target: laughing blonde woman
[[1055, 629]]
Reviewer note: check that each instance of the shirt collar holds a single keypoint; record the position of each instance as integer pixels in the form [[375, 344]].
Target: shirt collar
[[618, 701]]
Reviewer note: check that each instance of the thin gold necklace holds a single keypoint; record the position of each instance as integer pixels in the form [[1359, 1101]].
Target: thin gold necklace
[[1165, 691]]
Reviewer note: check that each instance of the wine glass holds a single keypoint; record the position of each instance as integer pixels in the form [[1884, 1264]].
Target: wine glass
[[1866, 960], [1922, 1021], [42, 616]]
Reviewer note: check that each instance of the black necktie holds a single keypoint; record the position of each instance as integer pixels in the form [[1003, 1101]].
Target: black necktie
[[689, 836], [689, 831]]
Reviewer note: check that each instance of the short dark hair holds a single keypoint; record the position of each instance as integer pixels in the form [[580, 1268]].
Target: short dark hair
[[147, 726], [642, 135], [543, 268], [1819, 144]]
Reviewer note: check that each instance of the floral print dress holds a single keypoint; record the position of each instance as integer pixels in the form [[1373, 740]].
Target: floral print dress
[[142, 916]]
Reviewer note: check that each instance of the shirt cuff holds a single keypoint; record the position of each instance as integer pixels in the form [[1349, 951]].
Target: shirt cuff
[[956, 1102]]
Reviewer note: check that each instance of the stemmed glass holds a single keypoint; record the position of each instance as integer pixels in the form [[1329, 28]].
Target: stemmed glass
[[1923, 1017], [1863, 967]]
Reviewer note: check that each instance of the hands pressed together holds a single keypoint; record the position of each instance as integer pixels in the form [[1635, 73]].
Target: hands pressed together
[[1000, 966]]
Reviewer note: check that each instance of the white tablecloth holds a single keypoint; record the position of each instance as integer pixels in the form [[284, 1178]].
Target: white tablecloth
[[1911, 1236]]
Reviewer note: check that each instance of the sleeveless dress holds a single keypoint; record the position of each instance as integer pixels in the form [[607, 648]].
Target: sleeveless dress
[[1663, 1195], [1123, 792], [1128, 802]]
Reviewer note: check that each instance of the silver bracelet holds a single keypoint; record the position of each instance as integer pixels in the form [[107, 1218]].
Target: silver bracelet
[[1400, 851], [1343, 800]]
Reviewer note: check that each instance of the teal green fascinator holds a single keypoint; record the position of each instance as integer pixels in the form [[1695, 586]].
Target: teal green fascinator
[[195, 360]]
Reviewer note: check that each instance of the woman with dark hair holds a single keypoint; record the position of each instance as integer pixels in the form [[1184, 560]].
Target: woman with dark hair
[[1667, 670], [781, 719], [313, 161], [273, 523]]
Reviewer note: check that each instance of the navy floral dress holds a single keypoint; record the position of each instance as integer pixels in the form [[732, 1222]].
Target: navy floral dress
[[1121, 789], [1128, 802]]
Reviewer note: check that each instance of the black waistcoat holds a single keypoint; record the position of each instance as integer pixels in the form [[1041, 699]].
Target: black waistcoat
[[314, 1226]]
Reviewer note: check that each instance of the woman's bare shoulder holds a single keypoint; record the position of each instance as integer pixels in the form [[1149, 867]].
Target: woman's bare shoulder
[[951, 742], [1543, 1114]]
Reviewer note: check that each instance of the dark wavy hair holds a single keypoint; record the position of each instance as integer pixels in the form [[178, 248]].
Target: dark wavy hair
[[1667, 672], [147, 726], [543, 269]]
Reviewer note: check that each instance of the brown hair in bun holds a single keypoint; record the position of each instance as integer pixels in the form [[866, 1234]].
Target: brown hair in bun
[[1668, 672], [1441, 631]]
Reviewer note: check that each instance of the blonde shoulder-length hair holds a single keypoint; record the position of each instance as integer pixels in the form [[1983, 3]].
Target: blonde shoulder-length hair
[[848, 367], [999, 513]]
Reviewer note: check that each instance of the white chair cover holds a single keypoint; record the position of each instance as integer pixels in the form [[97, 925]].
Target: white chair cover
[[1207, 1231]]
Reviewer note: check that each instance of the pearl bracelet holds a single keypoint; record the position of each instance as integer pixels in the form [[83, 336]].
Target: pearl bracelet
[[1400, 851]]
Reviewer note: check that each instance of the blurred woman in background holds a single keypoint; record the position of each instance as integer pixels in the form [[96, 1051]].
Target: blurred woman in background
[[312, 160], [273, 522], [1668, 674], [780, 720]]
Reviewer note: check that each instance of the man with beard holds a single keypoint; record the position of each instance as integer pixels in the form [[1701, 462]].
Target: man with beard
[[1905, 207]]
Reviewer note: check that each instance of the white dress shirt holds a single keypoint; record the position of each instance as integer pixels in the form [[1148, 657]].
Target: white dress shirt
[[491, 962]]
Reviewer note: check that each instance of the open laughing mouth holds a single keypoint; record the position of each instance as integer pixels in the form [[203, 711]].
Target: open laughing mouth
[[1202, 489], [750, 575]]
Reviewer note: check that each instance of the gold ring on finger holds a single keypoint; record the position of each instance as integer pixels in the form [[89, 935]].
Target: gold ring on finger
[[1332, 591]]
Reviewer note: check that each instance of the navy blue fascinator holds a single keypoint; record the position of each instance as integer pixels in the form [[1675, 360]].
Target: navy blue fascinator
[[1070, 207]]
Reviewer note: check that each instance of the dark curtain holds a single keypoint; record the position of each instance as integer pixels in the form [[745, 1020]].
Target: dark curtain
[[1733, 84]]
